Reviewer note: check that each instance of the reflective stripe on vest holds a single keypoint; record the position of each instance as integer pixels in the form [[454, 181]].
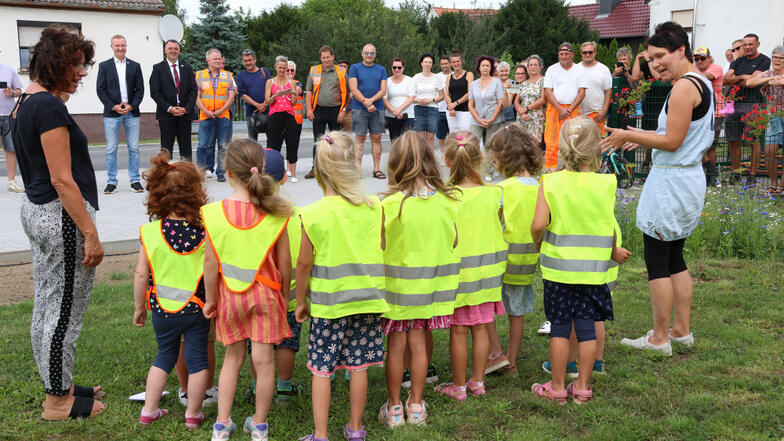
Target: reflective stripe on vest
[[421, 265], [577, 245], [315, 74], [347, 277], [242, 252], [299, 109], [483, 250], [211, 98], [519, 202], [175, 275]]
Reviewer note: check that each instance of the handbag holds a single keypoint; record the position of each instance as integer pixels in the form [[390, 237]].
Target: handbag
[[259, 121]]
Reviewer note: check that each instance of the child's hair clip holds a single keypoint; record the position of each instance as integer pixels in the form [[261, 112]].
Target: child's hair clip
[[459, 137], [329, 139], [171, 164], [254, 170]]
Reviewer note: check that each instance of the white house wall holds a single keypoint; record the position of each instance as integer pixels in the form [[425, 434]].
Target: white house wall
[[719, 22], [140, 31]]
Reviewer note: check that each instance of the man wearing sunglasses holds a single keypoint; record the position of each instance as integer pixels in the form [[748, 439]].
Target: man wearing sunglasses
[[598, 94], [368, 83], [751, 64], [715, 74], [251, 84]]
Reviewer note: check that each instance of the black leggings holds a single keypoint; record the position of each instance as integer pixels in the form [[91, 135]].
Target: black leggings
[[280, 124], [663, 258]]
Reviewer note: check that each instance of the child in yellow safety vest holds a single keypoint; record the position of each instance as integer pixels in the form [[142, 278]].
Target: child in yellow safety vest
[[168, 281], [482, 251], [518, 156], [341, 260], [421, 268], [574, 224], [247, 272]]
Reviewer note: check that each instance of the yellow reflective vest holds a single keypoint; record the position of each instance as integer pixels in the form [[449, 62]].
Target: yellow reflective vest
[[348, 264], [175, 275], [214, 99], [519, 207], [578, 242], [241, 252], [421, 265], [481, 246], [294, 230]]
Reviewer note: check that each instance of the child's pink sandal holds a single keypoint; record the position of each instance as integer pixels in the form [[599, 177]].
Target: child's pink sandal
[[450, 390], [193, 422], [147, 418], [579, 396], [476, 388], [546, 391]]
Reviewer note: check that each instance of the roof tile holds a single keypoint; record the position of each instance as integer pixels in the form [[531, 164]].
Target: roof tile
[[631, 18], [116, 5]]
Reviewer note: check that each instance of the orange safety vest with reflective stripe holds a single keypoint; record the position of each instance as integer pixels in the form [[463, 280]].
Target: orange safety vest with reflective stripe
[[315, 75], [175, 275], [214, 99], [299, 109]]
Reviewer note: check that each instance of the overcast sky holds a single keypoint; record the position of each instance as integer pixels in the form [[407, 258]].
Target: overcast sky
[[256, 6]]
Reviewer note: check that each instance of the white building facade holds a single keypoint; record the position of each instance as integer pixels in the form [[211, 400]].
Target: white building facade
[[21, 23]]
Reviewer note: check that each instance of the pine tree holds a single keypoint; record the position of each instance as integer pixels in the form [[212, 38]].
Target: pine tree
[[218, 28]]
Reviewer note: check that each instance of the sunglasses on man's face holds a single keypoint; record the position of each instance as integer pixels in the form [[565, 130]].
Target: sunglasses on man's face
[[587, 52], [369, 53], [736, 49], [292, 70], [696, 58]]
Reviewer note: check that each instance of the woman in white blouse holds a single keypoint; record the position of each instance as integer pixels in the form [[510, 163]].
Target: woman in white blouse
[[398, 100], [429, 90]]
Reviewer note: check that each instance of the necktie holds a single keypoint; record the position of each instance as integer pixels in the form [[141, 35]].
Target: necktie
[[176, 79]]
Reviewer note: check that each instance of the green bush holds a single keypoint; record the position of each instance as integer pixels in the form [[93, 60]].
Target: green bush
[[737, 221]]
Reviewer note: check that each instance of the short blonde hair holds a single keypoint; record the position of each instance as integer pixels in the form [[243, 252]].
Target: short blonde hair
[[588, 43], [335, 167], [579, 145]]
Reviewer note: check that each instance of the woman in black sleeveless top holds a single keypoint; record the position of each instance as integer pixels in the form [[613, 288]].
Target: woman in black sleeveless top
[[457, 116]]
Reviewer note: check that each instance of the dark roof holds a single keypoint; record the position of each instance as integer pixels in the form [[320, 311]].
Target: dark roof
[[146, 6], [631, 18]]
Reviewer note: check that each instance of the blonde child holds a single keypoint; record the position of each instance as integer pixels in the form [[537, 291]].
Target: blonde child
[[170, 264], [247, 272], [482, 253], [341, 260], [518, 156], [422, 269], [575, 228]]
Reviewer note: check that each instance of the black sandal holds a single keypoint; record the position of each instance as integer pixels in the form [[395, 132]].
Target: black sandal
[[378, 174], [82, 407], [87, 392]]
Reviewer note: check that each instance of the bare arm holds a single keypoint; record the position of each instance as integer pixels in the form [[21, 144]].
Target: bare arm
[[756, 80], [140, 279], [538, 103], [578, 99], [541, 215], [57, 150], [304, 266], [210, 280], [550, 97]]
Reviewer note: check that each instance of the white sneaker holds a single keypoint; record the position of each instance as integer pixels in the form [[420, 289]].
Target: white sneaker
[[488, 178], [294, 179], [210, 396], [13, 187], [207, 174], [183, 397], [686, 340], [288, 172], [644, 343], [545, 328]]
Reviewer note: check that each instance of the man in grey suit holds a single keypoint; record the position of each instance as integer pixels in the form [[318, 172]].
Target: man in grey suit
[[120, 88]]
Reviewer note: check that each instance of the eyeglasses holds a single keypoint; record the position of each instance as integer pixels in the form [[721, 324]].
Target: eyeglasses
[[369, 53], [292, 70], [82, 66], [587, 52], [397, 67]]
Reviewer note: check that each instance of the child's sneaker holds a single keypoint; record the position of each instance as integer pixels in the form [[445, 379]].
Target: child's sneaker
[[210, 397], [545, 328], [284, 396], [571, 369], [258, 432], [579, 396], [432, 374], [406, 379], [450, 390], [183, 397], [495, 363], [312, 437], [391, 417], [476, 388], [222, 432], [354, 435], [598, 367], [686, 340], [194, 422], [147, 418], [416, 413]]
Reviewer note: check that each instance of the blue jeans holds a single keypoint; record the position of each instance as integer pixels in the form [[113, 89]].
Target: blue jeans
[[210, 131], [111, 128]]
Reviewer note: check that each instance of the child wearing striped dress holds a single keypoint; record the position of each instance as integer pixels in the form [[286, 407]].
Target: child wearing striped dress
[[247, 272], [482, 253], [341, 260], [518, 156]]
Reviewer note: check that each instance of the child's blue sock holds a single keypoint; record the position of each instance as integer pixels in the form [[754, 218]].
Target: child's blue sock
[[284, 384], [254, 386]]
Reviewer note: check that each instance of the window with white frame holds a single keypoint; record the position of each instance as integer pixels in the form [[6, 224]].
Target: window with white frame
[[29, 33]]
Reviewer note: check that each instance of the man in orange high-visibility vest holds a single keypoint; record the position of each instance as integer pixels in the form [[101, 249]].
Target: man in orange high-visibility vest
[[216, 94], [326, 95]]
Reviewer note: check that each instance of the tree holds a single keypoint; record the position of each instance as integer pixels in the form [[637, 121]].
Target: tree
[[173, 7], [217, 28], [524, 27], [268, 29], [450, 31]]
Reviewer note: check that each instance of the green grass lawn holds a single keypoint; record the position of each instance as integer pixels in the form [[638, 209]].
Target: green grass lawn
[[728, 387]]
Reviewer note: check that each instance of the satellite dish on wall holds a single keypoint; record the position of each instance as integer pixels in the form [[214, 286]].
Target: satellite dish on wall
[[171, 28]]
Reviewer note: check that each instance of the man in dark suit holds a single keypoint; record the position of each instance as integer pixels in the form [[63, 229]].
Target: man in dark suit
[[121, 90], [173, 88]]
